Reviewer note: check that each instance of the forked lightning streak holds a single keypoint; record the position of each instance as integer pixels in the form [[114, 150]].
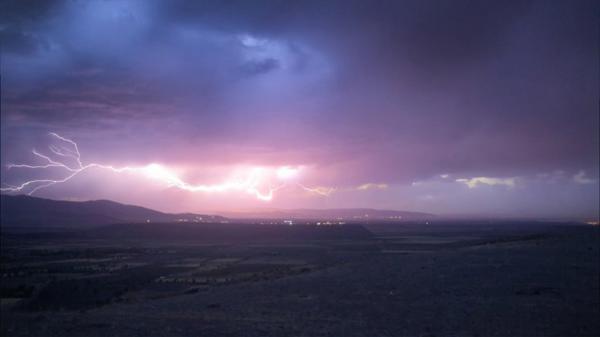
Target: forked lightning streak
[[68, 158]]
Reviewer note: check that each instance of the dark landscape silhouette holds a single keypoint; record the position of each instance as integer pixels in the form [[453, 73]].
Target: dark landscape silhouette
[[248, 277]]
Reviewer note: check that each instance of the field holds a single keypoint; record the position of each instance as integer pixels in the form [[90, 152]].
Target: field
[[447, 279]]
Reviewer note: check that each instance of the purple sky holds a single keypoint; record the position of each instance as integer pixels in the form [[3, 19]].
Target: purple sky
[[450, 107]]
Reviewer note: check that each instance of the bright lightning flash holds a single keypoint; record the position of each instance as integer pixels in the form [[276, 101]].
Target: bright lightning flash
[[68, 158], [287, 173]]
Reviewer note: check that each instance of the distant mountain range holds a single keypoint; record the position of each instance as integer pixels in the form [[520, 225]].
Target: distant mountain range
[[27, 211], [23, 211], [347, 214]]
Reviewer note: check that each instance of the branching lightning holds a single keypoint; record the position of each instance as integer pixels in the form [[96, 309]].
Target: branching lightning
[[324, 191], [68, 158]]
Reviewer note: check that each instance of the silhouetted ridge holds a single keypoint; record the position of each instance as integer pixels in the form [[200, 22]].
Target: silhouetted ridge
[[347, 214], [27, 211]]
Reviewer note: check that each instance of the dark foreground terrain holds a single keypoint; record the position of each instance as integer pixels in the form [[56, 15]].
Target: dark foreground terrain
[[402, 280]]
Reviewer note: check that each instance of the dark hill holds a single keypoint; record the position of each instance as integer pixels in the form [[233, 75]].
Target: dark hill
[[22, 211]]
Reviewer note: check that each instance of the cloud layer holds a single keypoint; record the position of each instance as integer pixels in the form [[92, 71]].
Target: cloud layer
[[365, 94]]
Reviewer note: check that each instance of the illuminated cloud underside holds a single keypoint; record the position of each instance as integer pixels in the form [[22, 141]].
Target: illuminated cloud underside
[[369, 186], [474, 182]]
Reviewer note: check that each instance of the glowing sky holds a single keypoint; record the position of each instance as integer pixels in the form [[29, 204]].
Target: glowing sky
[[450, 107]]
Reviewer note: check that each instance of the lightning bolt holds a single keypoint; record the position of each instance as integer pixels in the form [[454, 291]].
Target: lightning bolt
[[324, 191], [68, 158]]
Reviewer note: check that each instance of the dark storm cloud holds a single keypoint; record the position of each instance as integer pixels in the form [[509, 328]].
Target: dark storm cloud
[[260, 66], [396, 90]]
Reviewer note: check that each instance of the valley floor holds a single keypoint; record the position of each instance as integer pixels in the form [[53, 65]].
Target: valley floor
[[408, 280]]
